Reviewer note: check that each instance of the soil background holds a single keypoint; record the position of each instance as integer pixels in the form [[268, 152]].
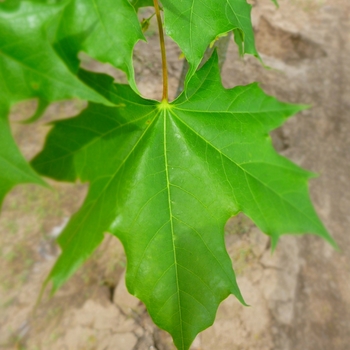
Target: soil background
[[299, 296]]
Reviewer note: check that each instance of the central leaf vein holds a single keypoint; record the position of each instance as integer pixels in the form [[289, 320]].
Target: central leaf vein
[[172, 223]]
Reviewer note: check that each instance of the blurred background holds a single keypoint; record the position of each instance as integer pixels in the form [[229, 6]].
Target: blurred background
[[299, 296]]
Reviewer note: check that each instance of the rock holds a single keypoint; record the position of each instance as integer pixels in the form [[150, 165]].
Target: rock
[[79, 338], [125, 341], [97, 316], [197, 343], [124, 300], [279, 284], [103, 317], [146, 342]]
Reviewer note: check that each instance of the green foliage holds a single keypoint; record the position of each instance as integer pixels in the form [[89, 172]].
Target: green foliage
[[13, 167], [194, 25], [29, 64], [164, 177], [141, 3]]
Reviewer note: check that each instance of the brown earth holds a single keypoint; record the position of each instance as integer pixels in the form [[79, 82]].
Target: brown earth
[[299, 296]]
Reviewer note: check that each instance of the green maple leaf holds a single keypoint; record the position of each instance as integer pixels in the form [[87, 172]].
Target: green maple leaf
[[165, 178], [39, 44], [13, 167], [195, 24], [141, 3], [107, 30], [29, 65], [29, 68], [33, 32]]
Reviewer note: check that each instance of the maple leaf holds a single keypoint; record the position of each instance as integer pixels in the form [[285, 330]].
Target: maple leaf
[[14, 169], [39, 43], [29, 65], [195, 24], [165, 178], [106, 30], [141, 3]]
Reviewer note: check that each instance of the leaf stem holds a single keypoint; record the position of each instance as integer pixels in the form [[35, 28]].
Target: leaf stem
[[162, 47]]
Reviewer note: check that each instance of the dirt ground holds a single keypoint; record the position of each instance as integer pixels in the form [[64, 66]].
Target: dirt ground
[[299, 296]]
